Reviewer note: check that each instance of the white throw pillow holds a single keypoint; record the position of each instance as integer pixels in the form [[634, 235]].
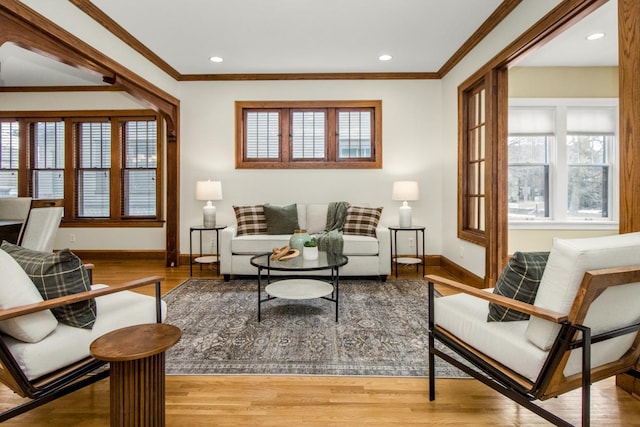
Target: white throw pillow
[[568, 260], [16, 289]]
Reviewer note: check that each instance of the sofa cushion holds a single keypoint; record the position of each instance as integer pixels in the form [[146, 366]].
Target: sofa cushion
[[58, 274], [519, 280], [17, 289], [68, 344], [362, 221], [281, 219], [316, 218], [568, 260], [250, 220]]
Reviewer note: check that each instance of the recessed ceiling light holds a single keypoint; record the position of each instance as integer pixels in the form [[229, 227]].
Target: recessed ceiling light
[[595, 36], [216, 59], [384, 57]]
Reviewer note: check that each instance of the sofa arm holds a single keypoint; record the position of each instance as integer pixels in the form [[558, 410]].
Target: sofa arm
[[224, 251], [384, 250]]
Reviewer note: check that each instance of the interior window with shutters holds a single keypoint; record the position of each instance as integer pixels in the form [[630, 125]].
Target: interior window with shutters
[[48, 160], [94, 168], [308, 134], [139, 184], [355, 134], [9, 152]]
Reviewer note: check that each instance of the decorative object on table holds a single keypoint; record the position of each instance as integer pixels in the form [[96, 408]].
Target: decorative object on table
[[284, 253], [310, 249], [209, 190], [405, 191], [298, 239]]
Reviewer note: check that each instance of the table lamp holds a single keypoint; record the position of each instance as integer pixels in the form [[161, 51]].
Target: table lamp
[[405, 191], [209, 190]]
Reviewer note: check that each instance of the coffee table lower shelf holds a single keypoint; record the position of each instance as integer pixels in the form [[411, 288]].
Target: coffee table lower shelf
[[299, 289]]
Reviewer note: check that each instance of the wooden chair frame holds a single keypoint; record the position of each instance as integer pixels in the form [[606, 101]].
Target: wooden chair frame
[[551, 381], [71, 378]]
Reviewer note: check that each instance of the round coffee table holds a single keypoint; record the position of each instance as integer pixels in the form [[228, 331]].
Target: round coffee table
[[295, 288]]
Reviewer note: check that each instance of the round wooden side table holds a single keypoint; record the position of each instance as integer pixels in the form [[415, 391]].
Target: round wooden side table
[[137, 357]]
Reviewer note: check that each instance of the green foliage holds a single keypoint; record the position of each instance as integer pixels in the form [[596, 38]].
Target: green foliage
[[311, 243]]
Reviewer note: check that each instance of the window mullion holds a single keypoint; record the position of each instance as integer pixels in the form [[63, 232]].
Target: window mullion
[[116, 178], [559, 171]]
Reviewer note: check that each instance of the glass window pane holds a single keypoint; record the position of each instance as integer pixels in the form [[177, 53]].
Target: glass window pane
[[49, 145], [141, 144], [528, 192], [139, 192], [93, 194], [95, 145], [262, 135], [354, 134], [528, 149], [48, 184], [9, 152], [588, 192], [586, 149], [472, 212], [308, 134]]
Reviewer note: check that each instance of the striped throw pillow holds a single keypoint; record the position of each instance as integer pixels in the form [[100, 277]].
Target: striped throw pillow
[[361, 221], [250, 219], [519, 280]]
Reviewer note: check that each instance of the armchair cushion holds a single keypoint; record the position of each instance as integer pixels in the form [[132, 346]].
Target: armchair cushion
[[250, 219], [55, 275], [281, 219], [362, 221], [568, 261], [519, 280], [17, 289]]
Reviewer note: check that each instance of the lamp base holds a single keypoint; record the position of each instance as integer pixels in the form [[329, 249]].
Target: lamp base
[[209, 215], [405, 216]]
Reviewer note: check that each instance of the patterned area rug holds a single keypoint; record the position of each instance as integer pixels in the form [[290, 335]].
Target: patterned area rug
[[382, 331]]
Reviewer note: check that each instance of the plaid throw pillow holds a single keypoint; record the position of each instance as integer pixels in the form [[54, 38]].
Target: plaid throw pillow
[[250, 219], [58, 274], [519, 280], [362, 221]]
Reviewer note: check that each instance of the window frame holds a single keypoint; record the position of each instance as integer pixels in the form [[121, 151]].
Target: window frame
[[72, 119], [331, 160], [558, 165], [466, 231]]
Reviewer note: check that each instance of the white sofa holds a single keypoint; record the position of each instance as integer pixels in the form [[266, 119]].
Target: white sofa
[[368, 256]]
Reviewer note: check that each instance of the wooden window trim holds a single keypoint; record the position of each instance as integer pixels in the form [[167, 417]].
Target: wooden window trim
[[332, 161], [465, 232]]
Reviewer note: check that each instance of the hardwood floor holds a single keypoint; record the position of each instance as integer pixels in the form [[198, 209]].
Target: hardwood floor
[[311, 401]]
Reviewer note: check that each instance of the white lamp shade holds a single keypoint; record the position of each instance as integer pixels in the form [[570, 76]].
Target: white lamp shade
[[208, 190], [405, 190]]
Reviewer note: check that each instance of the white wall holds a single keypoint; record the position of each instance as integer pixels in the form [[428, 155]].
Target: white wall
[[411, 142]]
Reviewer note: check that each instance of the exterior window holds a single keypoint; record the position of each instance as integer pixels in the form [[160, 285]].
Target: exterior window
[[314, 134], [471, 217], [94, 168], [103, 165], [48, 160], [9, 151], [560, 160], [141, 167]]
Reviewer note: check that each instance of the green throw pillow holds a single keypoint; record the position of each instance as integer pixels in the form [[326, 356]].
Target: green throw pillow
[[281, 219], [58, 274], [519, 280]]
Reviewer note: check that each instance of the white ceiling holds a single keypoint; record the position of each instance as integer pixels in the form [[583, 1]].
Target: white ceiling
[[309, 36]]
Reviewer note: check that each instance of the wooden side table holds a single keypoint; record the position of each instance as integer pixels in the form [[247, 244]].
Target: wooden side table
[[136, 354]]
